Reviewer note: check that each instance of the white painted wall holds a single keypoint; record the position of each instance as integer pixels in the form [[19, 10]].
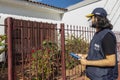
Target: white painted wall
[[4, 16], [77, 16], [28, 11]]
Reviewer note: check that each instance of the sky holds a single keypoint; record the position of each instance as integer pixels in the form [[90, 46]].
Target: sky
[[60, 3]]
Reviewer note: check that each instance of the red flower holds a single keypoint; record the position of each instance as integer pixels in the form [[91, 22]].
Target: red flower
[[33, 50]]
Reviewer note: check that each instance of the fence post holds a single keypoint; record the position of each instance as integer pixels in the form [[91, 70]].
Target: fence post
[[63, 51], [9, 41]]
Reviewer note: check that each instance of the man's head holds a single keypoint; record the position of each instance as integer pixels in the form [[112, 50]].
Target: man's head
[[98, 19]]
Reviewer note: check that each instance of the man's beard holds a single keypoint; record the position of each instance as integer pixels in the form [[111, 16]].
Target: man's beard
[[92, 24]]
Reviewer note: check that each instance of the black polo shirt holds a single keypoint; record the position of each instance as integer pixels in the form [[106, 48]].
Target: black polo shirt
[[109, 44]]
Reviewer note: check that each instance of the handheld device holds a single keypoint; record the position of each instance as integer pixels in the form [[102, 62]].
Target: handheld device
[[75, 56]]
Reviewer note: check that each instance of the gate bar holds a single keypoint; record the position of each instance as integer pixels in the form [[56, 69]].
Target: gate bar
[[9, 41], [63, 51]]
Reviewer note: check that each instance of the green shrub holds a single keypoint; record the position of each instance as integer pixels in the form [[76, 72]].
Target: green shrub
[[77, 45], [2, 43], [44, 59]]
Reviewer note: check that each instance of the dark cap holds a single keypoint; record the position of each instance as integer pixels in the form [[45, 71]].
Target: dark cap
[[98, 11]]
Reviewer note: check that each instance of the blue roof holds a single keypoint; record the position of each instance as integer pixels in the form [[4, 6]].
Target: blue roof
[[60, 3]]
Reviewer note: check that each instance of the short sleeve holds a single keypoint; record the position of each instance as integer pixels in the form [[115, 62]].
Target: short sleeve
[[109, 44]]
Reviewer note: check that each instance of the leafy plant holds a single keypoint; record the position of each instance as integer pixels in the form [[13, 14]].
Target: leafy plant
[[44, 59], [2, 44], [2, 49], [77, 45]]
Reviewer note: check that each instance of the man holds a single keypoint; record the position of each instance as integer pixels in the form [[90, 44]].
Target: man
[[101, 61]]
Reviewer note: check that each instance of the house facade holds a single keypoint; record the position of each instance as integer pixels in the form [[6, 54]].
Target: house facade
[[76, 13], [29, 10]]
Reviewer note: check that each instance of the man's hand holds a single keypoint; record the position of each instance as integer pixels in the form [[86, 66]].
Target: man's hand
[[82, 55], [83, 61]]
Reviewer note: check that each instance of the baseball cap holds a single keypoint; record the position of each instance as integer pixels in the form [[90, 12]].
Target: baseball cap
[[98, 11]]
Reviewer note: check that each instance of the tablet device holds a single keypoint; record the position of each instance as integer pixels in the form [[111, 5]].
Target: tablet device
[[74, 55]]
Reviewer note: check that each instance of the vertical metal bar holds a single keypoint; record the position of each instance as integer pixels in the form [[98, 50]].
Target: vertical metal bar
[[13, 40], [118, 71], [68, 34], [41, 35], [30, 47], [9, 40], [63, 51]]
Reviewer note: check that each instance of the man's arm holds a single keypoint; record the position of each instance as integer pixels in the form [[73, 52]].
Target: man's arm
[[109, 61]]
